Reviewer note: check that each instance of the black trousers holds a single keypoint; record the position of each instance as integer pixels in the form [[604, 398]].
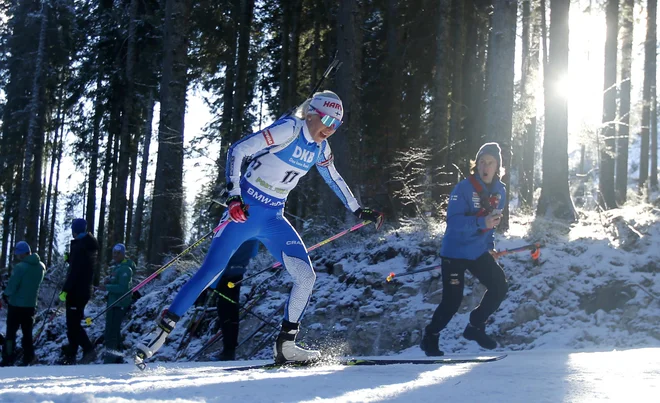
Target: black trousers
[[228, 311], [75, 313], [23, 318], [487, 271]]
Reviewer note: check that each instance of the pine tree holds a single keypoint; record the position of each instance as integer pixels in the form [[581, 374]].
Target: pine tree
[[555, 200], [647, 91], [499, 79], [607, 141], [530, 71], [166, 234]]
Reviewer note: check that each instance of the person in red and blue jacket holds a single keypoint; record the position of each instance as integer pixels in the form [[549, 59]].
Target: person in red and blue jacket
[[474, 211]]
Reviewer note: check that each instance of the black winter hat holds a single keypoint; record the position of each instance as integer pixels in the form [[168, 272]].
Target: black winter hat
[[491, 149]]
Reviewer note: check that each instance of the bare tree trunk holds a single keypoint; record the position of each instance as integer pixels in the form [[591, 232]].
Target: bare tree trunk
[[477, 123], [555, 200], [471, 75], [458, 54], [56, 193], [94, 163], [139, 208], [648, 88], [286, 53], [241, 87], [125, 134], [25, 211], [107, 165], [607, 199], [624, 108], [654, 138], [7, 216], [41, 238], [294, 49], [499, 90], [131, 196], [45, 226], [530, 70], [167, 214], [391, 115], [228, 92], [349, 50], [316, 44], [111, 238], [441, 75], [296, 201]]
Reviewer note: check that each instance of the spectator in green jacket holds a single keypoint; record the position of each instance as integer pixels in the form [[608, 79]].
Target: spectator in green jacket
[[118, 284], [21, 299]]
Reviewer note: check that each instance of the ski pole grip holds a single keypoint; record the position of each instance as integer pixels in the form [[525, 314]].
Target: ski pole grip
[[88, 321], [390, 277], [230, 284]]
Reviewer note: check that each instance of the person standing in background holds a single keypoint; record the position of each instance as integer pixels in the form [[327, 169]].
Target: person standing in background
[[117, 284], [77, 291], [21, 297]]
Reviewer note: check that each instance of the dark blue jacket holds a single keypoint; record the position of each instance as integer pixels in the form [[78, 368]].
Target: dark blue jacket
[[465, 237]]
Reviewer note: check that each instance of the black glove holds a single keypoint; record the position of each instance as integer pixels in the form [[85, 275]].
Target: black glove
[[5, 298], [372, 215]]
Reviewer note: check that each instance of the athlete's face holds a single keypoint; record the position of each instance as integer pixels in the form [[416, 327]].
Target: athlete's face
[[487, 166], [317, 129]]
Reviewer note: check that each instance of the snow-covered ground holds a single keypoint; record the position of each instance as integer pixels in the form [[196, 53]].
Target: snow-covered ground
[[528, 376], [596, 289]]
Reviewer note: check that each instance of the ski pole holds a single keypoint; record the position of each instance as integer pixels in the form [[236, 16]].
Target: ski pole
[[318, 245], [263, 343], [281, 307], [534, 248], [261, 318], [333, 65], [49, 318], [391, 276], [219, 334], [89, 320]]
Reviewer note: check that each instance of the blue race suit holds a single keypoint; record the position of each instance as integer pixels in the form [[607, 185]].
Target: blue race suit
[[280, 155], [237, 265]]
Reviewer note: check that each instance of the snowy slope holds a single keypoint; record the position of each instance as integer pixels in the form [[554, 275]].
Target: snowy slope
[[530, 376], [596, 288]]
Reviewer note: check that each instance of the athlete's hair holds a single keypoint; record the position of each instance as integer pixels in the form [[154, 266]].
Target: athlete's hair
[[303, 109]]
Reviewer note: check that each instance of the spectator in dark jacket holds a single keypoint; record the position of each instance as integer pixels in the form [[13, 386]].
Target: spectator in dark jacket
[[77, 291], [21, 299]]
